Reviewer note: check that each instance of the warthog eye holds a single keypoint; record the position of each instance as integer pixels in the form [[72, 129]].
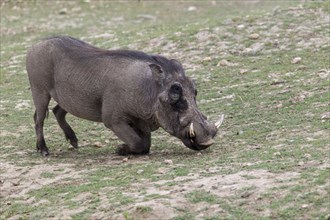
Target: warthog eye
[[177, 100], [175, 92]]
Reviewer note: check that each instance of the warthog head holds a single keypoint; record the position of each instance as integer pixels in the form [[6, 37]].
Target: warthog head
[[177, 110]]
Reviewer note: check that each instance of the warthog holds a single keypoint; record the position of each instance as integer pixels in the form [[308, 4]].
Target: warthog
[[131, 92]]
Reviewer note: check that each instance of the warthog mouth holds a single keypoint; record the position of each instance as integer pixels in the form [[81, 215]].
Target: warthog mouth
[[192, 144], [190, 139]]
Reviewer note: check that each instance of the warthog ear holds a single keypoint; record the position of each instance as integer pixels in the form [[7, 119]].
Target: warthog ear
[[157, 73]]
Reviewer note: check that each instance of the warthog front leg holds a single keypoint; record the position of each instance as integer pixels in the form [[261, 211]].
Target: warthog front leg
[[60, 113], [135, 140]]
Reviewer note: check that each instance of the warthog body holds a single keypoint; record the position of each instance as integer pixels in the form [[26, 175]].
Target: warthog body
[[131, 92]]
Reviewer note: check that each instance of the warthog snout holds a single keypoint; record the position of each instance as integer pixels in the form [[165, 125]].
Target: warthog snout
[[199, 136]]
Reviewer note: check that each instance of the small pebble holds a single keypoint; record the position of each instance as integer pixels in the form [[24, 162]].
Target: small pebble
[[71, 147], [63, 11], [162, 170], [191, 8], [228, 21], [279, 105], [246, 194], [240, 132], [168, 162], [325, 115], [254, 49], [240, 27], [226, 63], [214, 187], [243, 71], [296, 60], [15, 183], [253, 36], [247, 164], [277, 153], [223, 63], [207, 59], [98, 144], [125, 159], [308, 156], [323, 74], [304, 206]]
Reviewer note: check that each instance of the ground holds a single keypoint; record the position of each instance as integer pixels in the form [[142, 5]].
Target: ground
[[263, 64]]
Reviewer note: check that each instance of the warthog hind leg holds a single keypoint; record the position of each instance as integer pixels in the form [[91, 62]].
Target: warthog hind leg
[[68, 132], [41, 102]]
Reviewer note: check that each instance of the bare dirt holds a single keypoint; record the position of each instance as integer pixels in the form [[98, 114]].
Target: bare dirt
[[250, 184], [17, 182]]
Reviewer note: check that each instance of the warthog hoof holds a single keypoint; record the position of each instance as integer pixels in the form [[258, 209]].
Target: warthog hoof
[[42, 149], [44, 152], [74, 144]]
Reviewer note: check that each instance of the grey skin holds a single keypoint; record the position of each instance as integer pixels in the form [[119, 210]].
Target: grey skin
[[131, 92]]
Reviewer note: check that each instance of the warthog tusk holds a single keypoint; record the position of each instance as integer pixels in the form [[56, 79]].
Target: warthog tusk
[[219, 122], [191, 130]]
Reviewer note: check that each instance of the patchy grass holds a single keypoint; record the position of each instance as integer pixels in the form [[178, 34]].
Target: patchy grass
[[271, 159], [201, 196]]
